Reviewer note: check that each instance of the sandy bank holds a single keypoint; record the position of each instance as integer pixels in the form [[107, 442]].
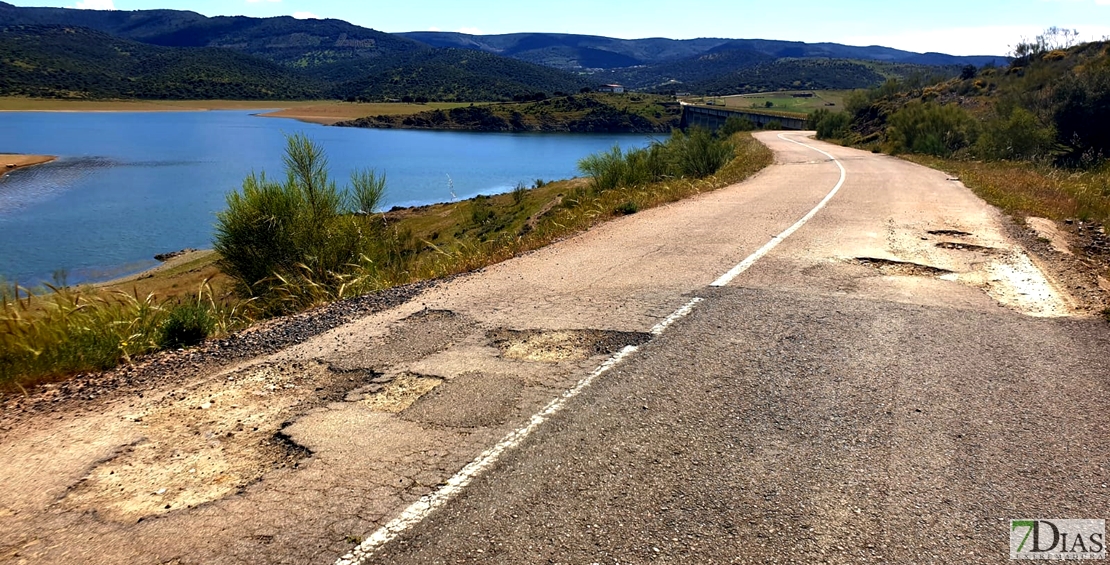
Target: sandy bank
[[312, 118], [10, 162], [175, 263]]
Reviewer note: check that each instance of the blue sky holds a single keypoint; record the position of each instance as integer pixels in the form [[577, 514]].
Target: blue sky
[[960, 27]]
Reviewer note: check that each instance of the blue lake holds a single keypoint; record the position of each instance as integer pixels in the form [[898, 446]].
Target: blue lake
[[128, 186]]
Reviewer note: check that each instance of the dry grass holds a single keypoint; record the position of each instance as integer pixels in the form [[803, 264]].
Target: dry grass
[[49, 336], [173, 280], [1025, 189]]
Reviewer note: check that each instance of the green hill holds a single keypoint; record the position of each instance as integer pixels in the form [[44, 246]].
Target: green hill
[[445, 74], [631, 113], [73, 62], [571, 51], [1051, 104], [186, 55], [285, 40]]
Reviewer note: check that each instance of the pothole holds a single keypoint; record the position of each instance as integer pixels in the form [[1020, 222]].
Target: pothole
[[471, 400], [951, 233], [201, 444], [417, 336], [902, 268], [960, 246], [394, 394], [553, 346]]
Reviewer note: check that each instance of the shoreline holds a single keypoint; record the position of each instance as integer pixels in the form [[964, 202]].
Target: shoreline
[[13, 161], [184, 257], [322, 112]]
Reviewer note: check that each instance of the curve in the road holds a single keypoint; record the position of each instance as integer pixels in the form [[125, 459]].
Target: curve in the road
[[775, 241]]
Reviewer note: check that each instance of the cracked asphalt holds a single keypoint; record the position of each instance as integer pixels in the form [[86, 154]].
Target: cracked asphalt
[[875, 389]]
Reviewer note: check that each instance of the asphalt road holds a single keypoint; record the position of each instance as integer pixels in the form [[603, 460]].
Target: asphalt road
[[892, 381], [783, 427], [810, 413]]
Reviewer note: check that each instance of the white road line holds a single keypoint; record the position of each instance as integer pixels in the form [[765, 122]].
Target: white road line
[[428, 503], [775, 241]]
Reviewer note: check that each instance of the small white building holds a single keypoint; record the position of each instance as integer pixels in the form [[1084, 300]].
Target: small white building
[[614, 88]]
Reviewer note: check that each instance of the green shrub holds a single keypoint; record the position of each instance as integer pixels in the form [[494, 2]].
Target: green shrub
[[367, 191], [829, 125], [480, 210], [303, 233], [773, 125], [698, 154], [185, 326], [1016, 136], [931, 129], [735, 124], [520, 192], [1080, 109], [627, 208], [605, 169], [617, 168]]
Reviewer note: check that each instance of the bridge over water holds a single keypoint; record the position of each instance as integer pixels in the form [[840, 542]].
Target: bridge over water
[[713, 117]]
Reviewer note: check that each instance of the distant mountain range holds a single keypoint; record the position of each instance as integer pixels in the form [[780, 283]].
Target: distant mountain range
[[573, 52], [178, 54]]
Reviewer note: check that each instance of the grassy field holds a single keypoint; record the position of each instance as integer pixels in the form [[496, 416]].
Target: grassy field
[[781, 101], [317, 111]]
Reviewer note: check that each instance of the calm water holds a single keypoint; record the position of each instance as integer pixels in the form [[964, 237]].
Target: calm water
[[128, 186]]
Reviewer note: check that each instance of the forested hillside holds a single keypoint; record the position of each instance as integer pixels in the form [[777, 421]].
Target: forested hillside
[[60, 61], [55, 52]]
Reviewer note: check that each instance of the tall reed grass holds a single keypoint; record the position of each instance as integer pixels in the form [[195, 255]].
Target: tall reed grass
[[63, 331]]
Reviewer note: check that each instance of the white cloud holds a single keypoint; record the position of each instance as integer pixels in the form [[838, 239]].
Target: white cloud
[[469, 30], [434, 28], [306, 16], [95, 5]]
